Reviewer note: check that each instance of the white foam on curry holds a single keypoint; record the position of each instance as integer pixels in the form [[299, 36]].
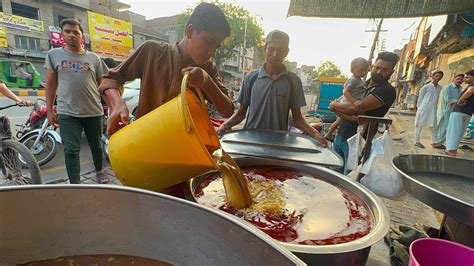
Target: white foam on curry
[[214, 194], [323, 204]]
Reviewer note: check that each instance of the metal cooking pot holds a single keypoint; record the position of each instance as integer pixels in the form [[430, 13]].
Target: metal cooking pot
[[441, 182], [351, 253], [41, 222]]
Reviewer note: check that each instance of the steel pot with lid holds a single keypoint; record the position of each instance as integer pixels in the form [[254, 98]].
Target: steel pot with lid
[[281, 145], [43, 222]]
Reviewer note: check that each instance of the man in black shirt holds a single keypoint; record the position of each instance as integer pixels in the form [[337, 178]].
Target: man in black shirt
[[379, 97]]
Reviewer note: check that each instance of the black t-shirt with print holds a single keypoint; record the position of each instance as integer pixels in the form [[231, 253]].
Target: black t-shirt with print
[[385, 93]]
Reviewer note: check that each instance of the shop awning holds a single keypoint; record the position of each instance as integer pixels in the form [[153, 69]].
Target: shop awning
[[464, 57], [378, 8], [330, 80]]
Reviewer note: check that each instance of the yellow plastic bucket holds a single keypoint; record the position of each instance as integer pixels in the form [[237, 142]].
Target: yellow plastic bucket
[[169, 145]]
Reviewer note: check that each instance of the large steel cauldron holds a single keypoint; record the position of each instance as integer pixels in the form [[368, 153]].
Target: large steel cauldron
[[41, 222], [351, 253]]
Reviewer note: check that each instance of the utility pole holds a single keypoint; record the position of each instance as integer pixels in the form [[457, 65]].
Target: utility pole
[[376, 39], [244, 51]]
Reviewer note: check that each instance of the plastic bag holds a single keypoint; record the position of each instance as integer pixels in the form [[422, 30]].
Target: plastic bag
[[356, 145], [354, 174], [381, 178]]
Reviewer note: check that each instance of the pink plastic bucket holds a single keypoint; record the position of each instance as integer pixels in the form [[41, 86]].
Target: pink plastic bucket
[[439, 252]]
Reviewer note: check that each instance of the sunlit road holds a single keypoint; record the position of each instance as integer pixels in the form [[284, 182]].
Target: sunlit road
[[55, 169]]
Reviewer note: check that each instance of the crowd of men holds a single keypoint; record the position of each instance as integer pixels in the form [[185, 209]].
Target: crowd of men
[[446, 111]]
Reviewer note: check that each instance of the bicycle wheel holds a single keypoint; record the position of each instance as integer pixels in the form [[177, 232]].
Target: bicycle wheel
[[18, 165], [45, 149]]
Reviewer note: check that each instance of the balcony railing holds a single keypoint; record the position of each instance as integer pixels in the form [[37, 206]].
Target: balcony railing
[[23, 52]]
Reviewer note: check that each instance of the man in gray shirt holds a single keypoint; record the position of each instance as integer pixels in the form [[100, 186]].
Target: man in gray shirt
[[270, 92], [73, 75]]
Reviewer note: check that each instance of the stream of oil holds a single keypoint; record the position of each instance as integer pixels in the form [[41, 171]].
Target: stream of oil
[[235, 185]]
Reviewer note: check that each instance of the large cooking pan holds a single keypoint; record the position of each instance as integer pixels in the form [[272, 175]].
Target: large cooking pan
[[350, 253], [41, 222], [444, 183]]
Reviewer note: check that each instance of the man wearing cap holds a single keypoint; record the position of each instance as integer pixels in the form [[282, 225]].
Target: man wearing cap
[[271, 92]]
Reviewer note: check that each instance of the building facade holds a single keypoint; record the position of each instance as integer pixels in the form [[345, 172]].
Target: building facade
[[166, 26], [30, 28], [448, 47], [26, 25]]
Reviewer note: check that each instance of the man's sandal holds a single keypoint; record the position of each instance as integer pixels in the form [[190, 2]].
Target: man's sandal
[[447, 153], [102, 178]]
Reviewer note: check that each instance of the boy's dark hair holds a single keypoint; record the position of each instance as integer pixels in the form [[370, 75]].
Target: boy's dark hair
[[459, 75], [209, 17], [470, 72], [71, 21], [438, 72], [389, 57]]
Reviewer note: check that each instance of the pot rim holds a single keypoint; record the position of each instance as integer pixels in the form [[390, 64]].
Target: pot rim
[[376, 206], [230, 218]]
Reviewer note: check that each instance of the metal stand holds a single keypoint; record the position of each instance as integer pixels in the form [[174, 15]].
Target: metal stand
[[372, 126]]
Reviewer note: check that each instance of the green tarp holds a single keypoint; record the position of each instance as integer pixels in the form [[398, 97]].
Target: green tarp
[[378, 8]]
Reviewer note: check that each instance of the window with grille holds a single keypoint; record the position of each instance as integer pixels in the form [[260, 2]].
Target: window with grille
[[28, 43], [59, 14], [25, 11]]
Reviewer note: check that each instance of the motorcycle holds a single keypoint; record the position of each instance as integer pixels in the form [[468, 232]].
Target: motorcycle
[[38, 136]]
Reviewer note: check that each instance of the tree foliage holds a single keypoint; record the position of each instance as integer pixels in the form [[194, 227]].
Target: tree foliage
[[312, 74], [236, 15], [329, 69]]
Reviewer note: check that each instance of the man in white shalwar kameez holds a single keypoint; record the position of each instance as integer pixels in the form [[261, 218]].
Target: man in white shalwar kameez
[[427, 107], [448, 97]]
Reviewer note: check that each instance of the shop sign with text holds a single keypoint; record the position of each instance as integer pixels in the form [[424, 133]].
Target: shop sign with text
[[20, 23]]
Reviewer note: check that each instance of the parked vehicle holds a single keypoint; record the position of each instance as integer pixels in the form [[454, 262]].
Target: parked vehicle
[[38, 136], [18, 165], [330, 89], [8, 74], [131, 95]]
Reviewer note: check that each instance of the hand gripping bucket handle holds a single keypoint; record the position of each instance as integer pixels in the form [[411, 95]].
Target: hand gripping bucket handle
[[182, 109]]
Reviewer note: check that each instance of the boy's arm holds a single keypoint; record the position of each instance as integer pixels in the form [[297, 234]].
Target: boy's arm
[[111, 86], [351, 118], [199, 78], [347, 92], [130, 69]]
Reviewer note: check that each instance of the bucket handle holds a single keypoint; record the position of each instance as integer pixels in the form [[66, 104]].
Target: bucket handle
[[184, 115]]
